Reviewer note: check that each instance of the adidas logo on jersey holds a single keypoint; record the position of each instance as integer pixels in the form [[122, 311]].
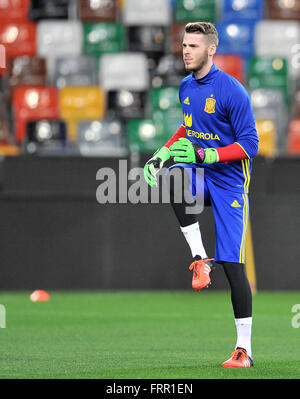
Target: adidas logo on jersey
[[235, 204], [187, 101]]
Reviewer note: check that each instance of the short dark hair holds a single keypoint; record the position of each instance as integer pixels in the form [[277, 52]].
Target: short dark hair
[[206, 28]]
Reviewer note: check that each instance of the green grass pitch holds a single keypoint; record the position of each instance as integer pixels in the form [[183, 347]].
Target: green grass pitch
[[144, 335]]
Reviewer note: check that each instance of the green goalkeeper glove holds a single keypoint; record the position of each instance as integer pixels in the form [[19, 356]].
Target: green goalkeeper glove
[[184, 150], [154, 165]]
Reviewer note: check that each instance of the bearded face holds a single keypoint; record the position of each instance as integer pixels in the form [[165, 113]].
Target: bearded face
[[195, 52]]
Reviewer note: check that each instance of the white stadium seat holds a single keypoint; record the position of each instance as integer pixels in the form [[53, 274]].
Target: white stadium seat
[[100, 138], [269, 104], [147, 12], [58, 38], [278, 38], [128, 71]]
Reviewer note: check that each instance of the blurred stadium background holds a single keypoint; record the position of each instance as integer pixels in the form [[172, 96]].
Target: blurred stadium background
[[89, 82]]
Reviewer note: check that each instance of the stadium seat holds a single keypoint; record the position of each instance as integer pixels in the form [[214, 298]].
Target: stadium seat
[[231, 64], [144, 136], [234, 10], [49, 9], [293, 147], [267, 137], [90, 10], [269, 104], [7, 146], [147, 39], [164, 98], [196, 10], [236, 37], [147, 135], [278, 39], [100, 38], [297, 104], [146, 12], [75, 71], [25, 71], [4, 130], [18, 38], [80, 103], [33, 104], [269, 72], [3, 61], [124, 71], [126, 104], [169, 120], [169, 72], [101, 138], [166, 110], [14, 11], [278, 9], [45, 137], [177, 33], [59, 38]]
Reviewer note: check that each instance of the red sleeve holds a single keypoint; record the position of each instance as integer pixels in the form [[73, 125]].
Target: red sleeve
[[232, 152], [176, 136]]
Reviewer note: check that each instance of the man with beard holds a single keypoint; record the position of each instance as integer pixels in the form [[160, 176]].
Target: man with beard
[[218, 134]]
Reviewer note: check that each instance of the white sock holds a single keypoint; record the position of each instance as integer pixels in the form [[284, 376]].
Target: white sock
[[193, 237], [243, 329]]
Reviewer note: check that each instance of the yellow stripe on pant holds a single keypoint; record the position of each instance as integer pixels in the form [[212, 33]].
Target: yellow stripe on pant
[[250, 261], [245, 222]]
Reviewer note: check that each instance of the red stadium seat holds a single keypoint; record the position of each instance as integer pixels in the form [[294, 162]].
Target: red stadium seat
[[14, 11], [18, 39], [3, 61], [294, 137], [32, 104], [231, 64]]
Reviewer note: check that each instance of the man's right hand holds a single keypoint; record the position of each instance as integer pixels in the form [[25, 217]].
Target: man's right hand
[[154, 165]]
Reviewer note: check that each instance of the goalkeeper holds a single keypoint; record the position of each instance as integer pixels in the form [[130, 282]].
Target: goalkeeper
[[219, 135]]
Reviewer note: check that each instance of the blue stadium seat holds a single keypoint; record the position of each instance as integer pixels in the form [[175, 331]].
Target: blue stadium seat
[[238, 10], [236, 37]]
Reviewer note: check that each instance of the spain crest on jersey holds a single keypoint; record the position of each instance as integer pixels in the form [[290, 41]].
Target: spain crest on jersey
[[210, 105]]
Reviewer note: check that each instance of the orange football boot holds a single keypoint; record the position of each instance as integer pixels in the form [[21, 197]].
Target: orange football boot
[[239, 358], [201, 273]]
